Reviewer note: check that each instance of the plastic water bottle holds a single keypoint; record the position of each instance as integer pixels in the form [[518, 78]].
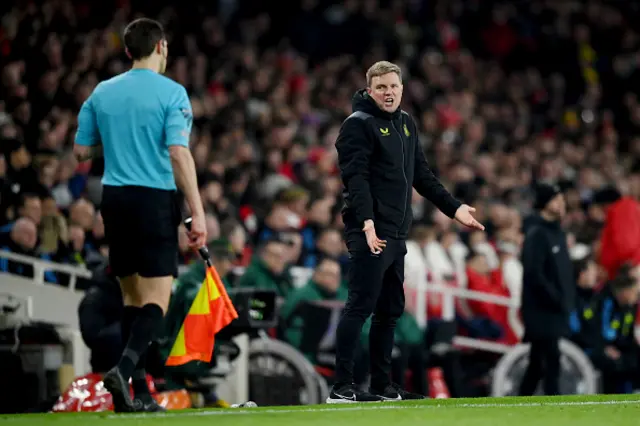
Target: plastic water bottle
[[437, 386], [248, 404]]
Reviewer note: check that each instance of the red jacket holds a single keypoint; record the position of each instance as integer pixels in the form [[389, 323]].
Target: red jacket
[[620, 239], [492, 284]]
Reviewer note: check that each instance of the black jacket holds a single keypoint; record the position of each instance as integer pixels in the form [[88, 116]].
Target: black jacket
[[100, 313], [605, 322], [548, 287], [380, 160]]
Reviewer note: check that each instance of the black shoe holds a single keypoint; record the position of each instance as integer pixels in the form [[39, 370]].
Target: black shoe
[[394, 392], [350, 394], [119, 389], [148, 405]]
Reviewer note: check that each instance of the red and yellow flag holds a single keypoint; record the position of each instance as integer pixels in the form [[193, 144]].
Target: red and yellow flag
[[210, 312]]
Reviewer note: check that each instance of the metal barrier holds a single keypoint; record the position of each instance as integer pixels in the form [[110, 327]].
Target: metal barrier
[[449, 295], [40, 266], [300, 274], [50, 302], [578, 375]]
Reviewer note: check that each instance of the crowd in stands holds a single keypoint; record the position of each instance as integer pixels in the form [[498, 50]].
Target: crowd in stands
[[505, 94]]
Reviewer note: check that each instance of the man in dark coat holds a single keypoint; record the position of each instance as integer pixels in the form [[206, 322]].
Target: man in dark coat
[[548, 292], [99, 316], [380, 160]]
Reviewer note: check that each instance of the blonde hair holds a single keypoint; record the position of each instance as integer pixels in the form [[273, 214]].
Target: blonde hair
[[382, 68]]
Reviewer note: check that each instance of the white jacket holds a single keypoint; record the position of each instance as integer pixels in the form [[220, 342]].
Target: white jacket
[[415, 281]]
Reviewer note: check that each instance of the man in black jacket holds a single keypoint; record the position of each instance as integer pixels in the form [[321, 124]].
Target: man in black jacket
[[100, 314], [548, 291], [609, 333], [380, 161]]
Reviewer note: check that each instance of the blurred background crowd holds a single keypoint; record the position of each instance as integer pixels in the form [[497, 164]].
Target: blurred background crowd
[[505, 93]]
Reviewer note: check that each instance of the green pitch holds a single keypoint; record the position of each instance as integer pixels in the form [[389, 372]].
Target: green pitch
[[557, 411]]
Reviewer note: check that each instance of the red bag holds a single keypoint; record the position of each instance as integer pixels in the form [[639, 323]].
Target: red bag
[[87, 394]]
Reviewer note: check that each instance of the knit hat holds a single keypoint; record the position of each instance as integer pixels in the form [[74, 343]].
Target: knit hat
[[606, 195], [545, 193]]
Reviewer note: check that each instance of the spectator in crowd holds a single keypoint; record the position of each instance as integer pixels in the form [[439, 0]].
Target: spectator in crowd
[[325, 285], [77, 251], [232, 230], [54, 230], [416, 274], [23, 239], [620, 240], [83, 214], [99, 315], [439, 263], [269, 269], [328, 243], [548, 291], [586, 272], [608, 333], [319, 219], [488, 320], [478, 242], [29, 206], [508, 244]]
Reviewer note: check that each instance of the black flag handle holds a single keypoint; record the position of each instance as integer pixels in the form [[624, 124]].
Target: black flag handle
[[204, 251]]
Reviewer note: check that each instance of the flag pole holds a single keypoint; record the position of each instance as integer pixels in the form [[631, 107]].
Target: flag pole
[[204, 251]]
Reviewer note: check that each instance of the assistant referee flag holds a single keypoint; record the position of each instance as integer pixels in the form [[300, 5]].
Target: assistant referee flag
[[210, 312]]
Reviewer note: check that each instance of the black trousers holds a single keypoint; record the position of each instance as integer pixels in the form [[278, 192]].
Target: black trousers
[[620, 375], [544, 363], [412, 357], [375, 286]]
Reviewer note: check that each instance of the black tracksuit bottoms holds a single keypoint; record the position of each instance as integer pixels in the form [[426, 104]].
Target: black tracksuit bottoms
[[544, 364], [375, 287]]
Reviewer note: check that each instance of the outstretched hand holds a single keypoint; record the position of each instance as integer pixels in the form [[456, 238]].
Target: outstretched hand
[[464, 216]]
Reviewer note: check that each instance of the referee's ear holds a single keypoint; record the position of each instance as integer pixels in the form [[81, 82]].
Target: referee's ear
[[127, 52]]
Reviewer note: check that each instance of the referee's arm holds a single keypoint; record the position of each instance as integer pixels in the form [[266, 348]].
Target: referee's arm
[[87, 143], [179, 117], [354, 155]]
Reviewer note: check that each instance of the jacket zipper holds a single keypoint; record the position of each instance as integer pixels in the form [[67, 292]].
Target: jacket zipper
[[406, 182]]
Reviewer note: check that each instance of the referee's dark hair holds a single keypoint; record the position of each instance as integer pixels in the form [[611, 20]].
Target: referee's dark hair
[[141, 37]]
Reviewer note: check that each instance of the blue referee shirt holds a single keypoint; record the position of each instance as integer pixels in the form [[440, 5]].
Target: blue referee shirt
[[136, 116]]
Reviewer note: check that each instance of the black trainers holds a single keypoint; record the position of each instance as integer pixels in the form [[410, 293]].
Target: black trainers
[[350, 394], [119, 389], [148, 405], [394, 392]]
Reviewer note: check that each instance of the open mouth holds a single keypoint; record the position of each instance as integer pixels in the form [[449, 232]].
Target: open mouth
[[388, 102]]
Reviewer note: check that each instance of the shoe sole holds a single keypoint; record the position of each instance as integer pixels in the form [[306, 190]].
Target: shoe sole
[[347, 401], [398, 398], [148, 408], [121, 403]]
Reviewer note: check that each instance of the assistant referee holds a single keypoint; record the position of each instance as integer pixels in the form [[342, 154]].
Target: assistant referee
[[381, 161], [141, 122]]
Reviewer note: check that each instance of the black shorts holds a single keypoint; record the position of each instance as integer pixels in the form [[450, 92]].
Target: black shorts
[[141, 228]]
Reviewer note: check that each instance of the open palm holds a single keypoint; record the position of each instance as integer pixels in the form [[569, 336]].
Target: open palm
[[464, 216]]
